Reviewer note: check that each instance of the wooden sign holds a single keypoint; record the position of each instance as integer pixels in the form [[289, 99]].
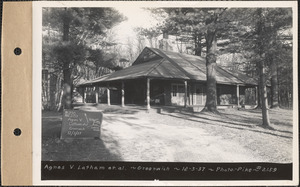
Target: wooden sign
[[81, 124]]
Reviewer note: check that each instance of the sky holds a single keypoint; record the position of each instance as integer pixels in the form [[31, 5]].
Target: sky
[[136, 17]]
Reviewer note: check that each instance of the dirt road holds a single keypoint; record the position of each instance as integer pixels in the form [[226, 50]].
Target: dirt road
[[137, 139], [128, 135]]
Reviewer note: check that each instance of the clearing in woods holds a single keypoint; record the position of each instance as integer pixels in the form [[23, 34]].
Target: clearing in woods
[[128, 134]]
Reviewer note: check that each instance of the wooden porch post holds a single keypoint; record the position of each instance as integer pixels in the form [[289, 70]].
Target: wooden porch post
[[108, 94], [185, 94], [194, 92], [123, 94], [256, 95], [84, 95], [148, 93], [202, 95], [96, 94], [238, 95]]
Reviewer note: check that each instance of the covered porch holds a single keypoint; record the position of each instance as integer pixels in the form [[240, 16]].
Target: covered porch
[[150, 92]]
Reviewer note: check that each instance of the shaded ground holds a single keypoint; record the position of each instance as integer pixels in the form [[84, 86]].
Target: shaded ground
[[131, 134]]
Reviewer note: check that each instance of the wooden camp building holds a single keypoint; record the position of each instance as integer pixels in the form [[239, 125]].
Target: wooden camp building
[[160, 77]]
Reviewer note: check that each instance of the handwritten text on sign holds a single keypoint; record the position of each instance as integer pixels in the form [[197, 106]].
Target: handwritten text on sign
[[81, 124]]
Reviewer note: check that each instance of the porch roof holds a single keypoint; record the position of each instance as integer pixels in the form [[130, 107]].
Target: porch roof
[[159, 64]]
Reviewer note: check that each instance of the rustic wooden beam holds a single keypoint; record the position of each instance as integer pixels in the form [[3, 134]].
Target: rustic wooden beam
[[123, 94], [185, 94], [96, 94], [108, 94], [84, 95], [193, 93], [148, 93], [238, 95], [202, 95], [256, 95]]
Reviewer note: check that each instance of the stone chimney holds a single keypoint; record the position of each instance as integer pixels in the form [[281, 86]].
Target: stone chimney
[[163, 43]]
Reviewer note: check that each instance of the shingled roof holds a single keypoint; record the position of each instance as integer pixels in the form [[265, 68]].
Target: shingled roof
[[159, 64]]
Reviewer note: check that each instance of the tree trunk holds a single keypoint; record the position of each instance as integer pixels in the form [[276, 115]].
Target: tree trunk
[[264, 96], [60, 98], [211, 91], [258, 106], [258, 98], [53, 90], [66, 26], [67, 71], [261, 63], [274, 84], [67, 97]]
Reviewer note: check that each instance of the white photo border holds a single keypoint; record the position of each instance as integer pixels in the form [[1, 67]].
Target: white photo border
[[36, 92]]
